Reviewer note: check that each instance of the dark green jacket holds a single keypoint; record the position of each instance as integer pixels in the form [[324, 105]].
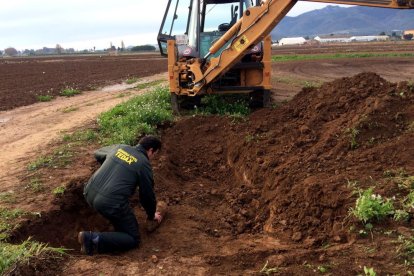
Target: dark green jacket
[[124, 168]]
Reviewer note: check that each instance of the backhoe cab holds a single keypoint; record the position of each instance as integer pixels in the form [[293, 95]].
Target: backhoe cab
[[188, 31]]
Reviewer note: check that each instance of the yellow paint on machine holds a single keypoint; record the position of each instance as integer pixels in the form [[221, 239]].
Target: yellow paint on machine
[[125, 156], [241, 43]]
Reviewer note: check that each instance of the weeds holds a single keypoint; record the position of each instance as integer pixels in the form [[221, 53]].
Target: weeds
[[352, 134], [223, 105], [58, 191], [268, 270], [136, 117], [69, 92], [44, 98], [8, 197], [6, 217], [405, 248], [369, 206], [60, 158], [22, 253], [323, 268], [40, 162], [81, 136], [297, 82], [35, 185], [131, 80], [369, 271]]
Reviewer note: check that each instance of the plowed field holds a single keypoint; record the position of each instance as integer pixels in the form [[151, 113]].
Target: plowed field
[[275, 188]]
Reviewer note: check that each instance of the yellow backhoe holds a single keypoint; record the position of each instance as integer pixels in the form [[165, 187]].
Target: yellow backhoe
[[206, 56]]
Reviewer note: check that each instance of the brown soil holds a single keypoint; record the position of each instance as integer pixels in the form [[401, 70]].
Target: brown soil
[[289, 77], [272, 188], [24, 79]]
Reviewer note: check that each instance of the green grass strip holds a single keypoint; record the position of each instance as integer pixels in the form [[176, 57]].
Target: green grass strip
[[10, 254], [140, 115], [338, 55], [225, 105]]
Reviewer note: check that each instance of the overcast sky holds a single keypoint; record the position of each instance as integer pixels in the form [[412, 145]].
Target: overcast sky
[[83, 24]]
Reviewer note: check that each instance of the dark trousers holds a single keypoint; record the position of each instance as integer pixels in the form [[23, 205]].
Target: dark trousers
[[126, 235]]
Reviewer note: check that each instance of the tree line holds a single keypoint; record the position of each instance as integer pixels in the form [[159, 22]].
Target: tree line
[[58, 50]]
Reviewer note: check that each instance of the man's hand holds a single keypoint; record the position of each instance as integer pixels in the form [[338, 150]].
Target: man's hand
[[158, 217]]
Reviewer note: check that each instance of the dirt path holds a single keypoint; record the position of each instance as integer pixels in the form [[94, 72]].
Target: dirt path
[[26, 131]]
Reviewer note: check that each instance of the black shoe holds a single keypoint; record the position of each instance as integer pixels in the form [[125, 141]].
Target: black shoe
[[85, 239]]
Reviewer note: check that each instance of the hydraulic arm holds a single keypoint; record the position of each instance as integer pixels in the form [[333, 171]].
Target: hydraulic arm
[[254, 26]]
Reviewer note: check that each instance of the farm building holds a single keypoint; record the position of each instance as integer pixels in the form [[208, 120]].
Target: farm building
[[347, 38], [333, 38], [367, 38], [292, 41]]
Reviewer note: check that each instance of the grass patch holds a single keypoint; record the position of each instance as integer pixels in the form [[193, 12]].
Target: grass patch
[[88, 135], [369, 206], [7, 216], [12, 254], [298, 82], [405, 248], [44, 98], [136, 117], [8, 197], [58, 191], [338, 55], [227, 105], [40, 162], [60, 158], [131, 80], [35, 185], [148, 84], [69, 92]]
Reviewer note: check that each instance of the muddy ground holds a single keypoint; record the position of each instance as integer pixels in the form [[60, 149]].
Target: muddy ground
[[272, 188]]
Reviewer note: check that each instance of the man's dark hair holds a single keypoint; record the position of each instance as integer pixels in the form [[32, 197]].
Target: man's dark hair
[[150, 142]]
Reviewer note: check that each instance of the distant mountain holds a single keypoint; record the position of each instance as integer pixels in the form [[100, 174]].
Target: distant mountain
[[337, 20]]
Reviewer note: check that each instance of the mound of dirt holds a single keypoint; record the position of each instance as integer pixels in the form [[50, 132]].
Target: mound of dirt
[[301, 155]]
